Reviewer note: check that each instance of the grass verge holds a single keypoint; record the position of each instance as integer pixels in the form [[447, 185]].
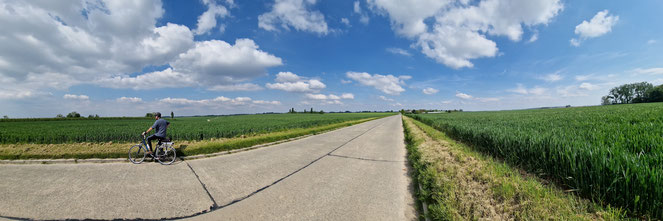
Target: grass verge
[[184, 148], [461, 184]]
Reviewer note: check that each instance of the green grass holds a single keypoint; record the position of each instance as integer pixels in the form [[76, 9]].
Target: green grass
[[611, 154], [56, 131], [184, 148], [521, 197]]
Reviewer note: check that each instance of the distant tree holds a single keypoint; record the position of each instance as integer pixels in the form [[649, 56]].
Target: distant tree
[[90, 116], [629, 93], [311, 110], [606, 100], [150, 115], [73, 114], [172, 115], [321, 112], [304, 110], [656, 94], [5, 117], [60, 116], [96, 116]]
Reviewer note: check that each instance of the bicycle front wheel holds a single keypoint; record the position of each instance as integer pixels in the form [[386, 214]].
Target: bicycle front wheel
[[137, 154], [166, 155]]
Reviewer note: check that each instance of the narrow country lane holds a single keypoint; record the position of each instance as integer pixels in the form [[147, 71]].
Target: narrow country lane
[[354, 173]]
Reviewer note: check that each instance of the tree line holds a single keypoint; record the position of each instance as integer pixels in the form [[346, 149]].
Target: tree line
[[642, 92]]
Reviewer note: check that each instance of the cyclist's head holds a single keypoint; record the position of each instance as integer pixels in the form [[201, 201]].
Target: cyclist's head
[[157, 114]]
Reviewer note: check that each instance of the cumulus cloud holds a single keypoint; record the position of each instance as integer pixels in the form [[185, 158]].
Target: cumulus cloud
[[430, 91], [599, 25], [458, 33], [399, 51], [296, 14], [55, 46], [468, 97], [81, 97], [207, 20], [388, 84], [129, 99], [290, 82]]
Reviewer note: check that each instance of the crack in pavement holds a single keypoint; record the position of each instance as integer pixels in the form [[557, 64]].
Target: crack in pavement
[[215, 207], [367, 159]]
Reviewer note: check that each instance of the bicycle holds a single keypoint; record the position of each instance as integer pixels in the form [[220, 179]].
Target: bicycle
[[164, 152]]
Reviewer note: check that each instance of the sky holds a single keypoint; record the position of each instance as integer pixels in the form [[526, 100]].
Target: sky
[[127, 58]]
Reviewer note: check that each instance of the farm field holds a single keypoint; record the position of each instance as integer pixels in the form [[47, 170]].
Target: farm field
[[610, 154], [55, 131], [111, 138]]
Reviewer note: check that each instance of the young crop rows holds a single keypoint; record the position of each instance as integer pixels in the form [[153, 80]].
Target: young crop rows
[[611, 154], [185, 128]]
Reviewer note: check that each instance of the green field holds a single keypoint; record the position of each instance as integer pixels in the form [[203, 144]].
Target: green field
[[54, 131], [611, 154]]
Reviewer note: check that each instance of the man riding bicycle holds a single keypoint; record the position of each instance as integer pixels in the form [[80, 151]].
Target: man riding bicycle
[[160, 126]]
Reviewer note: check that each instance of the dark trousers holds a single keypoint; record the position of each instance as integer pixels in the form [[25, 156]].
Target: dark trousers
[[151, 138]]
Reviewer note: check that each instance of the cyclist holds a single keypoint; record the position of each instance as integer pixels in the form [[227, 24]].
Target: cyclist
[[160, 126]]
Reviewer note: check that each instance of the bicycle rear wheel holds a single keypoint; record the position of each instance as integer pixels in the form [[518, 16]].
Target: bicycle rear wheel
[[166, 154], [137, 154]]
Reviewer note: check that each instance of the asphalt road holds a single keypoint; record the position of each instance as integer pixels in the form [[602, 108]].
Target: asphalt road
[[354, 173]]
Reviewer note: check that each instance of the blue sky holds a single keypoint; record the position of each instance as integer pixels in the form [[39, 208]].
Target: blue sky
[[125, 58]]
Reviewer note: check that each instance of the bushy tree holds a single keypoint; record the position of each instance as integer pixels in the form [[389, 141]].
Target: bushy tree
[[629, 93], [73, 114], [150, 115], [172, 115]]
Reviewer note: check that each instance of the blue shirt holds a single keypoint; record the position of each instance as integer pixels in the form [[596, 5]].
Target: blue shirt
[[160, 127]]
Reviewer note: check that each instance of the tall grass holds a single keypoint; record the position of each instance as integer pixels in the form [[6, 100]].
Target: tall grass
[[611, 154]]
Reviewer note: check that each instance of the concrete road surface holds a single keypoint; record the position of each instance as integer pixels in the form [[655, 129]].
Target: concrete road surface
[[354, 173]]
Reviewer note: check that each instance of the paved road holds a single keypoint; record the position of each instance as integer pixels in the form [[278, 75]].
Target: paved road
[[354, 173]]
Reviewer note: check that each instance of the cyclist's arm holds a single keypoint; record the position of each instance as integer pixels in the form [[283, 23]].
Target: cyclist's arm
[[148, 130]]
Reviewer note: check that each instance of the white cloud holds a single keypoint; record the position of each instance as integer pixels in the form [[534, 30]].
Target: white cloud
[[385, 98], [458, 33], [81, 97], [588, 86], [345, 81], [345, 21], [430, 91], [649, 71], [464, 96], [296, 14], [388, 84], [534, 37], [651, 42], [152, 80], [216, 102], [266, 102], [56, 46], [363, 17], [207, 20], [290, 82], [236, 87], [554, 77], [520, 89], [599, 25], [399, 51], [129, 99], [287, 77], [330, 96], [217, 62]]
